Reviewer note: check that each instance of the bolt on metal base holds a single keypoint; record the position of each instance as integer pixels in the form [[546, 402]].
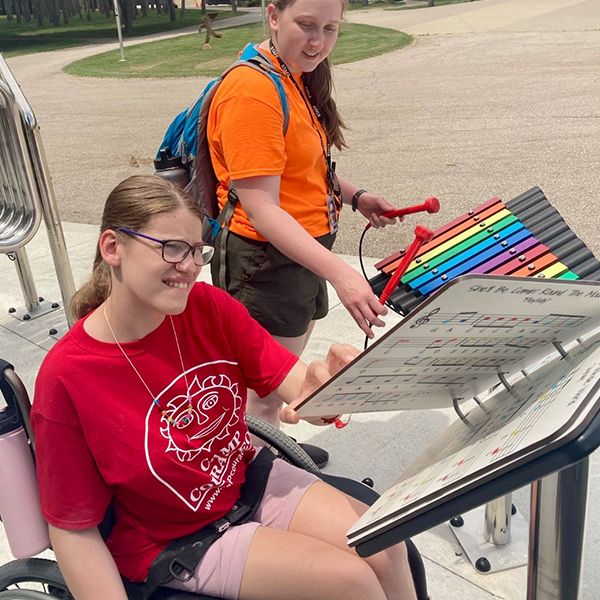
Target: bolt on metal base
[[43, 307], [486, 557]]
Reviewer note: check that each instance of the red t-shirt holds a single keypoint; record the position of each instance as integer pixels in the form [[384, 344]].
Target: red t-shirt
[[100, 438]]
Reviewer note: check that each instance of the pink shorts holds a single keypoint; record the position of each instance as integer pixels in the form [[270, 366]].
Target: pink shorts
[[221, 570]]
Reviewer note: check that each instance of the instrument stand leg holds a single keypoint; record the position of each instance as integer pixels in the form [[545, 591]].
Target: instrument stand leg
[[558, 504], [494, 536], [34, 307]]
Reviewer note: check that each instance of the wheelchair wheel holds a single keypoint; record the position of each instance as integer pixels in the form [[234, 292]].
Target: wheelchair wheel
[[22, 595], [283, 445], [32, 575]]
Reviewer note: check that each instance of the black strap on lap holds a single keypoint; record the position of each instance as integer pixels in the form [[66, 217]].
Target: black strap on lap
[[180, 559]]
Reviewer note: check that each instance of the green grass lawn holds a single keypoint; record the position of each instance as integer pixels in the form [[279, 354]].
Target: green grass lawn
[[24, 38], [184, 56]]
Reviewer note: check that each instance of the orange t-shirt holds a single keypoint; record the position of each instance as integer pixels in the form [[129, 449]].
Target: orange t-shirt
[[245, 136]]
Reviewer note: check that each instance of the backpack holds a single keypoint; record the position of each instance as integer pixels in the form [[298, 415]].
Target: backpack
[[185, 145]]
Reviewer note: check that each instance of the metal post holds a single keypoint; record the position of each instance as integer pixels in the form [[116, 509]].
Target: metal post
[[497, 520], [263, 18], [26, 280], [56, 238], [494, 536], [34, 305], [558, 504], [119, 33]]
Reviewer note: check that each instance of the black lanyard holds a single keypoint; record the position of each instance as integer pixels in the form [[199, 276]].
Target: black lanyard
[[313, 111]]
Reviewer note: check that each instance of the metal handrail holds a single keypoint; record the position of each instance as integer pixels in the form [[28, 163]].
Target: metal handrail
[[26, 192], [20, 205]]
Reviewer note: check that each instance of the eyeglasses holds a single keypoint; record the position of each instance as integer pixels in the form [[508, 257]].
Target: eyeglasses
[[176, 251]]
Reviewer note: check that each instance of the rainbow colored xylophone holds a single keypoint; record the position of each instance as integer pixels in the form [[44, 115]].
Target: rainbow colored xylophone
[[524, 237]]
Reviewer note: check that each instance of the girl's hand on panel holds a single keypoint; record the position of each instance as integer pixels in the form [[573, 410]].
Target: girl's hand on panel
[[357, 296], [317, 373]]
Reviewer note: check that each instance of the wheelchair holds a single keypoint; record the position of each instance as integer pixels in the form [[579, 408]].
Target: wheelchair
[[40, 578]]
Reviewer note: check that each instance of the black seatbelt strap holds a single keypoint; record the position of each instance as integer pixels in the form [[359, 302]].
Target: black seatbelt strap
[[180, 559]]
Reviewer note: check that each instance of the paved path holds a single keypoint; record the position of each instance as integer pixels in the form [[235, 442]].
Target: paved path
[[494, 97]]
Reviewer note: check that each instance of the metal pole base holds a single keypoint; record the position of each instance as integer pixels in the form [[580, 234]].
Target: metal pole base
[[485, 557], [43, 308], [558, 509]]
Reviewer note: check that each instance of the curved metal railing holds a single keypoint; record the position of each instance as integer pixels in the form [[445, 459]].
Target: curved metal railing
[[20, 207], [26, 193]]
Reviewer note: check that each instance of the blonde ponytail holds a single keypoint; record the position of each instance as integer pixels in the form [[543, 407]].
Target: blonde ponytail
[[93, 292]]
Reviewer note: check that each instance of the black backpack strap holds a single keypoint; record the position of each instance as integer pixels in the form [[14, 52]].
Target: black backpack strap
[[180, 559], [223, 220]]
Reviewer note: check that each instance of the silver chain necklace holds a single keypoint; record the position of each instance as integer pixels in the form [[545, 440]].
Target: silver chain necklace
[[185, 419]]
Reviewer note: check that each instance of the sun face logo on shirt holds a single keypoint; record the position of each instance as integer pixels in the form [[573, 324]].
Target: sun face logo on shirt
[[201, 427], [193, 422]]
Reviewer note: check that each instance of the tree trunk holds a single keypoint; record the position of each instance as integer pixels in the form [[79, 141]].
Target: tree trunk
[[38, 13], [430, 2], [65, 12], [131, 15], [88, 10], [18, 10], [8, 10], [234, 6], [171, 9], [53, 14], [144, 4], [27, 11], [182, 8], [127, 16]]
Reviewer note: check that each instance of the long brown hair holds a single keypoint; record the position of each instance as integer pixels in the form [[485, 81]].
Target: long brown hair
[[320, 84], [132, 204]]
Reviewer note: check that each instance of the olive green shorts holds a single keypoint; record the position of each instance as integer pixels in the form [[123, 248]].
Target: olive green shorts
[[283, 296]]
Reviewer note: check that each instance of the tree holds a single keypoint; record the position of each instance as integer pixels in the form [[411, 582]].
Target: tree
[[171, 9], [57, 12], [8, 10], [126, 9]]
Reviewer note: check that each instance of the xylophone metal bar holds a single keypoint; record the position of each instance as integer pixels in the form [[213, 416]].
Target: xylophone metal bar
[[526, 236]]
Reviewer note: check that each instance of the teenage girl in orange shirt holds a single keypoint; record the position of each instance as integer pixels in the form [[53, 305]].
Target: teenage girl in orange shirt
[[278, 248]]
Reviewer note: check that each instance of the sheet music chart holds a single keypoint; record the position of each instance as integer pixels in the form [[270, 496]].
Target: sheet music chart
[[455, 344], [539, 412]]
